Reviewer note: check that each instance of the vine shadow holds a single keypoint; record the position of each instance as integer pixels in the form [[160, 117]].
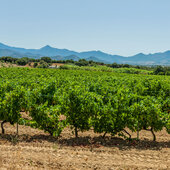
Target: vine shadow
[[87, 142], [118, 142]]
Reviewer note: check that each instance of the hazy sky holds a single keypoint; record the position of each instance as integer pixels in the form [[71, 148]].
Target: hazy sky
[[124, 27]]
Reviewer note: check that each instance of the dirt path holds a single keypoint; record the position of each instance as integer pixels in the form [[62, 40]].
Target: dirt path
[[34, 149]]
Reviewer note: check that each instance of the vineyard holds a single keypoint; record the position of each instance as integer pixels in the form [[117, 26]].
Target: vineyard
[[83, 119], [107, 103]]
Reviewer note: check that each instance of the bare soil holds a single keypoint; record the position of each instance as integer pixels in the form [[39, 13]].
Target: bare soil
[[34, 149], [57, 64], [30, 65]]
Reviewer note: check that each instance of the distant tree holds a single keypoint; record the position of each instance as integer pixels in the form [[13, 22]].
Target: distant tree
[[46, 59], [126, 65], [114, 65], [8, 59], [69, 61], [82, 62], [22, 61], [159, 70], [43, 64], [35, 64]]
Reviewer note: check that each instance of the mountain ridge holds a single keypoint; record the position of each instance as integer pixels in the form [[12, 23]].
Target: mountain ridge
[[160, 58]]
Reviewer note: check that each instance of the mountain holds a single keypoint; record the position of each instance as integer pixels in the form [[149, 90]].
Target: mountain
[[150, 59], [50, 51], [65, 54], [70, 57], [6, 52], [15, 54], [94, 59]]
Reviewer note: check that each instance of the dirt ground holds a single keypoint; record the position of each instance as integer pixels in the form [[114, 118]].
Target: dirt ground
[[34, 149], [30, 65]]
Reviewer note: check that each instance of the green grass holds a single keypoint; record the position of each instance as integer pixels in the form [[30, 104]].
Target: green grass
[[107, 69]]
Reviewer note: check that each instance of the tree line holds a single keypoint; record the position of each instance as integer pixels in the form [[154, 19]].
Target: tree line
[[45, 62]]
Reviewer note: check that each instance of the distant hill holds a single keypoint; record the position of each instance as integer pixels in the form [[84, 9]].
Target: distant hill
[[99, 56], [95, 59], [71, 57]]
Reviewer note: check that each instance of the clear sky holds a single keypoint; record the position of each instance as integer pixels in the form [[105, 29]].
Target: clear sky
[[124, 27]]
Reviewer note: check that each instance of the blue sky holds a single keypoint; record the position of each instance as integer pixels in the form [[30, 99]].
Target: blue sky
[[124, 27]]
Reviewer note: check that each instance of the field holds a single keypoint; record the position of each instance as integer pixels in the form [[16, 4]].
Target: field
[[34, 149], [76, 119]]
